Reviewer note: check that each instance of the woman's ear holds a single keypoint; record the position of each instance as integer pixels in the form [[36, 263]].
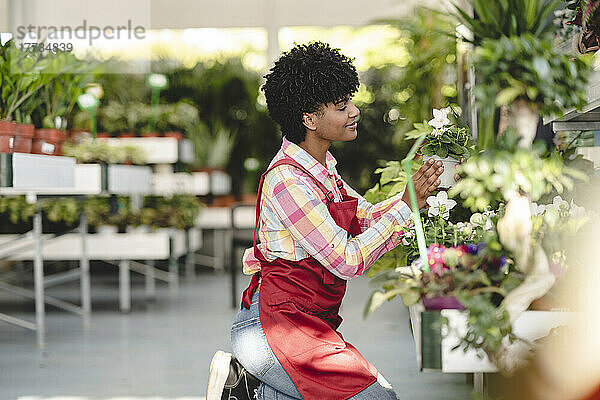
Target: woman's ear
[[308, 120]]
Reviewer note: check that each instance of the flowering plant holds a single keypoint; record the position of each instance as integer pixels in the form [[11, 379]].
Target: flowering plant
[[444, 138]]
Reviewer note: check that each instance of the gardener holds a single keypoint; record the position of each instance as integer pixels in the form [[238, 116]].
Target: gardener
[[315, 234]]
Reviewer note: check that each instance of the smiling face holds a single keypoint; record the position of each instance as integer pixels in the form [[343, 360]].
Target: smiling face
[[334, 121]]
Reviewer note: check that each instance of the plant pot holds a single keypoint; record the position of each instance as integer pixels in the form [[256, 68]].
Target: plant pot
[[174, 134], [63, 137], [442, 303], [46, 141], [150, 134], [23, 138], [7, 134], [447, 177], [127, 135], [105, 135], [106, 229], [525, 120]]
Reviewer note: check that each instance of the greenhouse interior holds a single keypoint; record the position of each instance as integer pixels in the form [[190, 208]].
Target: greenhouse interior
[[270, 199]]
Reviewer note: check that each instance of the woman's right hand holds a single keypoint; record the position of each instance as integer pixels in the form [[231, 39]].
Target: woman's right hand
[[425, 180]]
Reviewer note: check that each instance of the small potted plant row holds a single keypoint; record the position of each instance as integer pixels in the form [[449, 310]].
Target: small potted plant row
[[135, 120], [37, 90]]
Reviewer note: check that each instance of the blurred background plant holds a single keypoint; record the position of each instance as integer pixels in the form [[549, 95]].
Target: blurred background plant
[[96, 151]]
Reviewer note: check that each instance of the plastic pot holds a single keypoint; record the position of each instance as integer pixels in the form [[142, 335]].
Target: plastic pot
[[46, 141], [23, 138], [7, 135], [442, 303], [174, 134], [449, 164]]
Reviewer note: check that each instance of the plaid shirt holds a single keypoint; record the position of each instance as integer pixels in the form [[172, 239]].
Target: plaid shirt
[[295, 222]]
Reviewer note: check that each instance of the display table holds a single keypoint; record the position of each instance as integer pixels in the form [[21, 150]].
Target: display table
[[434, 344]]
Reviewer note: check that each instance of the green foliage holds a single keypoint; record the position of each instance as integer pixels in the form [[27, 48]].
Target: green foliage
[[64, 209], [487, 326], [528, 68], [16, 209], [489, 177], [450, 141], [508, 18], [96, 151], [67, 78], [134, 117], [213, 144], [391, 182], [178, 211], [21, 77]]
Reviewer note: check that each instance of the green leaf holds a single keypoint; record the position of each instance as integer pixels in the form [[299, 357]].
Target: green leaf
[[508, 95]]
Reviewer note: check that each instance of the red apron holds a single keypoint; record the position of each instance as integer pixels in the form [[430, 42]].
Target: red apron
[[298, 306]]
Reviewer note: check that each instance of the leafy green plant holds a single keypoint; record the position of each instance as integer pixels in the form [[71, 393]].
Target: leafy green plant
[[213, 144], [527, 68], [16, 208], [96, 151], [392, 180], [495, 19], [21, 77], [587, 17], [177, 211], [444, 138], [493, 175], [114, 210], [67, 78]]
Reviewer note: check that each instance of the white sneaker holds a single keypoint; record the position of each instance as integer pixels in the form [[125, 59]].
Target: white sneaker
[[219, 371]]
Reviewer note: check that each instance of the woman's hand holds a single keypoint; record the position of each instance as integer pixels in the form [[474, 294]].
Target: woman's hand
[[425, 181]]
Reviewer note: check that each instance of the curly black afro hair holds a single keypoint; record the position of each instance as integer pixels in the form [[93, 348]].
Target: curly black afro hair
[[302, 80]]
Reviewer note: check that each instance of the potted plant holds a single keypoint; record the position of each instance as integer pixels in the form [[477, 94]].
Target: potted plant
[[22, 77], [587, 17], [177, 211], [496, 19], [445, 141], [527, 75], [59, 96], [496, 264]]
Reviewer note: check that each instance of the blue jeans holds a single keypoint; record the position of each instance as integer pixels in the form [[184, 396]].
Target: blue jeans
[[251, 349]]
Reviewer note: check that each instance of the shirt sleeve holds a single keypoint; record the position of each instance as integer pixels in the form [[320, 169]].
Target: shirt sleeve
[[301, 209], [369, 214]]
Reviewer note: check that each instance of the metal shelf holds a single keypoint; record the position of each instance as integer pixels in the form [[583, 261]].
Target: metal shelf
[[586, 119]]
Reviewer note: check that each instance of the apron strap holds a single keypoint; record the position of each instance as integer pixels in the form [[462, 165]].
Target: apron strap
[[285, 161]]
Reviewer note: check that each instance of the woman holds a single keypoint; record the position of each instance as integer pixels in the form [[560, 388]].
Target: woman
[[315, 234]]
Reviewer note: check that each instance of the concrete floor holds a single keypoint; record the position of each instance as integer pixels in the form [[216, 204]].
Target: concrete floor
[[162, 348]]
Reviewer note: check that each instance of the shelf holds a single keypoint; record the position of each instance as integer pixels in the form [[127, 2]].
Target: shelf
[[588, 118], [158, 150], [196, 183], [23, 171], [434, 348]]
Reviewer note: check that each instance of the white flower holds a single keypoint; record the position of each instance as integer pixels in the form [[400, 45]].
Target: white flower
[[466, 228], [484, 220], [557, 204], [537, 209], [440, 203], [407, 235], [440, 119], [576, 211]]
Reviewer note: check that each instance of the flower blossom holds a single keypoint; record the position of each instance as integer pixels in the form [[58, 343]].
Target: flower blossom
[[440, 119], [440, 205]]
